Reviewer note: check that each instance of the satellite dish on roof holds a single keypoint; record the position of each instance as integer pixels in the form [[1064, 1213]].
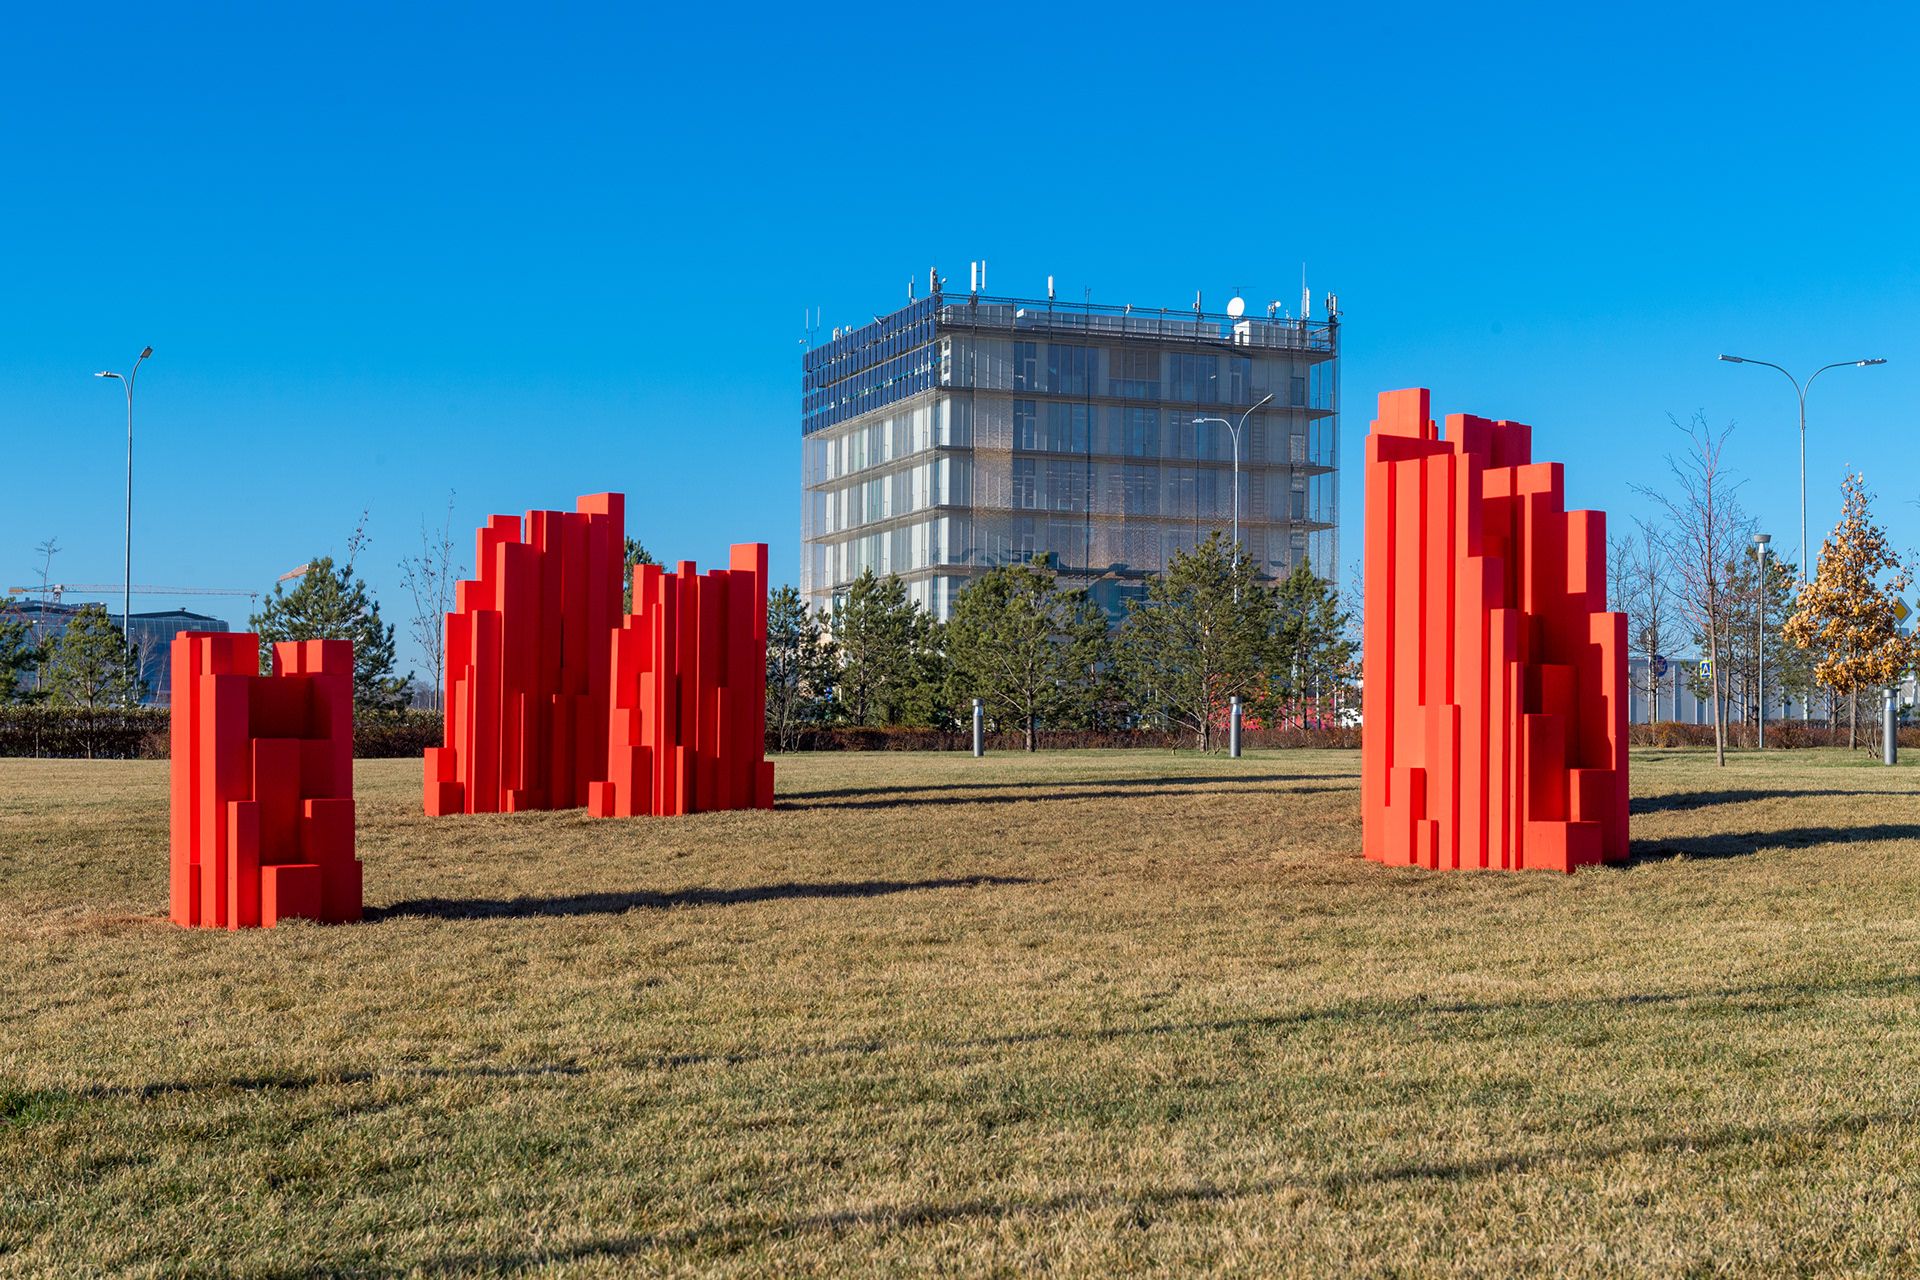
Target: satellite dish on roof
[[1237, 308]]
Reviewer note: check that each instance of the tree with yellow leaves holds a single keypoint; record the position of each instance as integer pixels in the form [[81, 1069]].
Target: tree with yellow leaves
[[1846, 615]]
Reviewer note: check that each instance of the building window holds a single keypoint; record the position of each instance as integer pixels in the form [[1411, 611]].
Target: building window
[[1023, 424], [1025, 367], [1196, 379], [1025, 492], [1239, 379], [1142, 490], [1300, 393], [1067, 486], [1134, 432], [1070, 370], [1134, 375], [1067, 427]]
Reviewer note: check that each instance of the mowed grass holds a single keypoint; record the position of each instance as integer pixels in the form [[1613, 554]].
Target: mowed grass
[[1088, 1014]]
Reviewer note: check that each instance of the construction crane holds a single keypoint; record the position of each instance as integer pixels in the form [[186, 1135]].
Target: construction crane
[[54, 591]]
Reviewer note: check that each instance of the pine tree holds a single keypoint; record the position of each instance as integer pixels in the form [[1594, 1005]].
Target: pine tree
[[92, 666], [1029, 650], [1847, 614], [20, 655], [333, 604], [800, 668], [1203, 634], [888, 649], [1313, 648]]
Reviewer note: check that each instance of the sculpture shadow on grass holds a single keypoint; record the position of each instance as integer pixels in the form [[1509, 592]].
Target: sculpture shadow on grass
[[1687, 801], [619, 903], [1746, 844]]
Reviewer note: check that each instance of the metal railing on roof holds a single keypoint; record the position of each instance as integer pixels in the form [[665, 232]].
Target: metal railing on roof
[[1102, 320]]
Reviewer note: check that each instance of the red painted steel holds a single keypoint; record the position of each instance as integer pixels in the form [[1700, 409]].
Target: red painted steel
[[1495, 699], [526, 655], [262, 782], [687, 729]]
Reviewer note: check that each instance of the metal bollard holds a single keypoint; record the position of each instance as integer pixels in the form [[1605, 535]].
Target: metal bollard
[[1233, 729], [979, 730], [1890, 729]]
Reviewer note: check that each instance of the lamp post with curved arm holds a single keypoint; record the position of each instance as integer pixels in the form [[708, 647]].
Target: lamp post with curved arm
[[1236, 466], [126, 602], [1800, 389]]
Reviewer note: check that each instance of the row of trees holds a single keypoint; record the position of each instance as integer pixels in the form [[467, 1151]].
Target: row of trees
[[86, 666], [1040, 656], [1694, 578]]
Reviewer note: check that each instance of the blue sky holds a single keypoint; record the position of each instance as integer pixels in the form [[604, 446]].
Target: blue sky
[[525, 253]]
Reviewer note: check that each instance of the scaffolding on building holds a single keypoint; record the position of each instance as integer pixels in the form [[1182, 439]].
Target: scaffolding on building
[[963, 433]]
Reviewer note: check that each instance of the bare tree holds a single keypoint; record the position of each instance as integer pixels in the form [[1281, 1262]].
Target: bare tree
[[1646, 597], [46, 551], [1706, 529], [430, 577]]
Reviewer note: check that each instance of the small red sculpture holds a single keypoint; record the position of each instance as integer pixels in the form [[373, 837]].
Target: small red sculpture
[[687, 731], [262, 782], [1496, 681], [526, 662]]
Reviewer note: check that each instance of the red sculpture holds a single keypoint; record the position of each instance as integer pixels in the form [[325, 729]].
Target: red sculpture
[[526, 655], [1496, 682], [262, 782], [688, 726]]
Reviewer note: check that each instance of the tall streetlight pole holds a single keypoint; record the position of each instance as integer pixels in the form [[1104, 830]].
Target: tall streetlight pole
[[1236, 466], [126, 600], [1800, 389], [1760, 540]]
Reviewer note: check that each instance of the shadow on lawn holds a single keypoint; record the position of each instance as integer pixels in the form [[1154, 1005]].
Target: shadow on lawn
[[1684, 801], [1743, 844], [590, 904]]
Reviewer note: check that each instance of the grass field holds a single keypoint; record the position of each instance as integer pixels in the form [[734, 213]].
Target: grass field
[[1088, 1014]]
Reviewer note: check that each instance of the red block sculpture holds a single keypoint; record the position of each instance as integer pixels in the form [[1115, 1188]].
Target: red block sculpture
[[526, 662], [687, 731], [262, 782], [1496, 681]]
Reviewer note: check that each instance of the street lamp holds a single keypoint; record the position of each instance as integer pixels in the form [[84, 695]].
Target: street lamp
[[1761, 540], [126, 601], [1236, 467], [1800, 389]]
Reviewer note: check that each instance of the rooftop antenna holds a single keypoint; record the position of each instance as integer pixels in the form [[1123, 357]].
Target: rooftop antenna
[[1306, 294], [1196, 302], [933, 281], [909, 289], [983, 275], [1049, 288], [973, 277]]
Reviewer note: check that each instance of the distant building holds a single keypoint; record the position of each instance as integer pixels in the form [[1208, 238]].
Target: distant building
[[153, 632], [963, 432]]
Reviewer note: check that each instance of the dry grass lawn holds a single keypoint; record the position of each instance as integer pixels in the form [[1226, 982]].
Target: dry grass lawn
[[1087, 1014]]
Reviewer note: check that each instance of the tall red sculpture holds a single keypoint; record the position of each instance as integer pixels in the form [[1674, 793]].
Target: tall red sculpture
[[687, 732], [262, 782], [526, 662], [1496, 682]]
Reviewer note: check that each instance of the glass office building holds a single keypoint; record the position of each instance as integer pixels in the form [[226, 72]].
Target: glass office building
[[963, 432]]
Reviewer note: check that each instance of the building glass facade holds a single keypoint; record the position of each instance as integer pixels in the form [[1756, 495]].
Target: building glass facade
[[965, 432]]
